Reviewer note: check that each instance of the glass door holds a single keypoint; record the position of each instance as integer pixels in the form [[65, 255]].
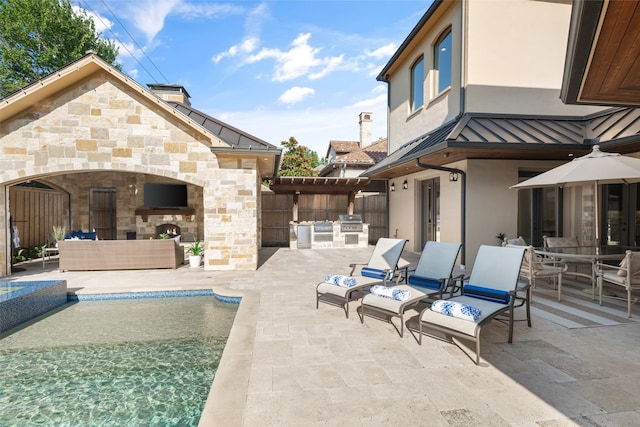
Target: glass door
[[621, 214], [430, 194]]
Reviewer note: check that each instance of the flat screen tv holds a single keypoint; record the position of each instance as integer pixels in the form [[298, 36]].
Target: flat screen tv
[[165, 196]]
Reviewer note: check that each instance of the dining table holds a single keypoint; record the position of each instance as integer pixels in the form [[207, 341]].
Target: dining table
[[587, 254]]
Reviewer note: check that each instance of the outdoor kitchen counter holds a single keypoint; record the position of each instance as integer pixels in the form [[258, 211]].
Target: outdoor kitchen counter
[[328, 234]]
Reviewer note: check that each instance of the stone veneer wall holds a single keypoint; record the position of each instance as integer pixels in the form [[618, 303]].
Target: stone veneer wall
[[101, 126]]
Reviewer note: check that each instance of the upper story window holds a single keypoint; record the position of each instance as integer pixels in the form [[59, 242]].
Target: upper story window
[[442, 61], [417, 84]]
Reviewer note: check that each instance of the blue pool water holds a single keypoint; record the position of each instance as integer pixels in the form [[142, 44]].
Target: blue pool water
[[133, 362]]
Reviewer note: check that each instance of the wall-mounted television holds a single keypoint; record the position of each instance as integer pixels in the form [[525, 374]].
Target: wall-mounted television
[[165, 196]]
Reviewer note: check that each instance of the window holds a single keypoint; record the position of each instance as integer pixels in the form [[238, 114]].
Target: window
[[417, 84], [442, 61]]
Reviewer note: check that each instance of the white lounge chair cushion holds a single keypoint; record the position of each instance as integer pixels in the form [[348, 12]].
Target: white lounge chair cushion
[[342, 291], [487, 309], [395, 306], [339, 280], [391, 292], [456, 309]]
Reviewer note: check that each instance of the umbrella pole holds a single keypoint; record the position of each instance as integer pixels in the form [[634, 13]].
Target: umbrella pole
[[596, 214]]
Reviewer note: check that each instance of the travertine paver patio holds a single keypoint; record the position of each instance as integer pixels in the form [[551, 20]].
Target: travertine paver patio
[[288, 364]]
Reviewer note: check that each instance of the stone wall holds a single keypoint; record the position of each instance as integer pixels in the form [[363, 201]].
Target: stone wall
[[116, 137]]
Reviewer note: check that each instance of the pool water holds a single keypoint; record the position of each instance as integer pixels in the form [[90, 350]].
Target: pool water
[[135, 362]]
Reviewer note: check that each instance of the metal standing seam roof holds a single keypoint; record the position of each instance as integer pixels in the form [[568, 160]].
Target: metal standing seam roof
[[227, 133], [519, 131]]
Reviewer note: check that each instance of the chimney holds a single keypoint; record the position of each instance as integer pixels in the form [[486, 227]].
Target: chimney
[[171, 93], [365, 129]]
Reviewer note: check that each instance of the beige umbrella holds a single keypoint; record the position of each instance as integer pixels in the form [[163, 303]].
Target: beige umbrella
[[597, 168]]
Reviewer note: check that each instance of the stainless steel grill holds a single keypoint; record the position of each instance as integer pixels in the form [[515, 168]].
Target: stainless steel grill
[[323, 227], [350, 223]]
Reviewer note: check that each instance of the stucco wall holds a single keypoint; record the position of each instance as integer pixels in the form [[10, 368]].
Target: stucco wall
[[100, 124], [404, 124]]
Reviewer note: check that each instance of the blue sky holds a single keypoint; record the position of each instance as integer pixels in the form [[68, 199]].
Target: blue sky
[[274, 69]]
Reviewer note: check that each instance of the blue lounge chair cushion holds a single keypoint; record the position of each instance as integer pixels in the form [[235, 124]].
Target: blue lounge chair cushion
[[456, 309], [374, 273], [494, 295], [427, 282]]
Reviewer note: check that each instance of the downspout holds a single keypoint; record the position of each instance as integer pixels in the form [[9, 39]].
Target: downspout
[[463, 205]]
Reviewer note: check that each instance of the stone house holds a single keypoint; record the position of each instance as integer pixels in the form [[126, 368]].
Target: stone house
[[474, 107], [97, 136]]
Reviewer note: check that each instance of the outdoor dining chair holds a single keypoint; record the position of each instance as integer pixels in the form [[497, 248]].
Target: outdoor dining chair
[[626, 275]]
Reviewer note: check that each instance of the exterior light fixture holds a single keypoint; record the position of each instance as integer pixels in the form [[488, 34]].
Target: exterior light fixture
[[405, 185], [392, 187], [453, 177]]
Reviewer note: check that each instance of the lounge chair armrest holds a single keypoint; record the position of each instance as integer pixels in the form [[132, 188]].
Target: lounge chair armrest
[[600, 266], [354, 266]]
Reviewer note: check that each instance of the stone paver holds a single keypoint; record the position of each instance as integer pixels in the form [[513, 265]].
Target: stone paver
[[288, 364]]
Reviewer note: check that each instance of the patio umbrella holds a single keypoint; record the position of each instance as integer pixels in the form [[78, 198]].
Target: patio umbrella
[[595, 168]]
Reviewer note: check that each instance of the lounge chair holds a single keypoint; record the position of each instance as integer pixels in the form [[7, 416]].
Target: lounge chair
[[491, 289], [429, 281], [381, 268], [627, 275]]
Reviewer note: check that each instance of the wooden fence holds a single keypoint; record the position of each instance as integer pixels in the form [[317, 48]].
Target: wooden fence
[[277, 212], [35, 211]]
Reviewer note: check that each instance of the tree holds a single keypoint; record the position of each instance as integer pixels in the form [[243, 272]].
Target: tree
[[297, 160], [37, 37]]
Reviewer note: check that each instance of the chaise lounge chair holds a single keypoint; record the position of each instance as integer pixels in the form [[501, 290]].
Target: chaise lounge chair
[[429, 281], [491, 291], [381, 268]]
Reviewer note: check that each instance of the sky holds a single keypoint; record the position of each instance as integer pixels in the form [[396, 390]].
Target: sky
[[274, 69]]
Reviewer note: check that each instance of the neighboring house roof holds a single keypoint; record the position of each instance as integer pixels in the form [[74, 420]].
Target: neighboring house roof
[[360, 158], [341, 147], [229, 134], [493, 136]]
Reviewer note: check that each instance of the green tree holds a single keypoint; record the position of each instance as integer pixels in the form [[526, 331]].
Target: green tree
[[297, 160], [37, 37]]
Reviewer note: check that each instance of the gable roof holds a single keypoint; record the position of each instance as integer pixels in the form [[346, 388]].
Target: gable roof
[[341, 147], [492, 136], [220, 137]]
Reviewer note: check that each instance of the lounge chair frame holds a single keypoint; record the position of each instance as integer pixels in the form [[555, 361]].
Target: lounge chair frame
[[436, 264], [490, 260], [382, 268]]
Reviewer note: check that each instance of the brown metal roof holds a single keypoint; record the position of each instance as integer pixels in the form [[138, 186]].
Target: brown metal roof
[[487, 136], [229, 134]]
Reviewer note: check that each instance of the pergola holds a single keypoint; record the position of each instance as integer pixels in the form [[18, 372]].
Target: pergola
[[297, 185]]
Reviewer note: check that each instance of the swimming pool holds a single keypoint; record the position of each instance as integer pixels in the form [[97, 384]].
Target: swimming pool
[[114, 362]]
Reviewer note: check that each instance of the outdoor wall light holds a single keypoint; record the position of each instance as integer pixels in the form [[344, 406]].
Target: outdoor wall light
[[392, 187], [405, 185], [453, 176]]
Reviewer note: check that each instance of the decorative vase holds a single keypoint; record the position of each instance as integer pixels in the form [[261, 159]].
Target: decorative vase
[[195, 260]]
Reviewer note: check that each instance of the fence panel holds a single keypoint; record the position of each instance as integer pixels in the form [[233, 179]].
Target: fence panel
[[35, 211], [277, 212]]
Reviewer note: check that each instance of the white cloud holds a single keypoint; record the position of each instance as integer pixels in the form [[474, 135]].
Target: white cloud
[[206, 10], [384, 52], [148, 16], [295, 95], [312, 127], [101, 23], [332, 64], [297, 61], [246, 47]]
